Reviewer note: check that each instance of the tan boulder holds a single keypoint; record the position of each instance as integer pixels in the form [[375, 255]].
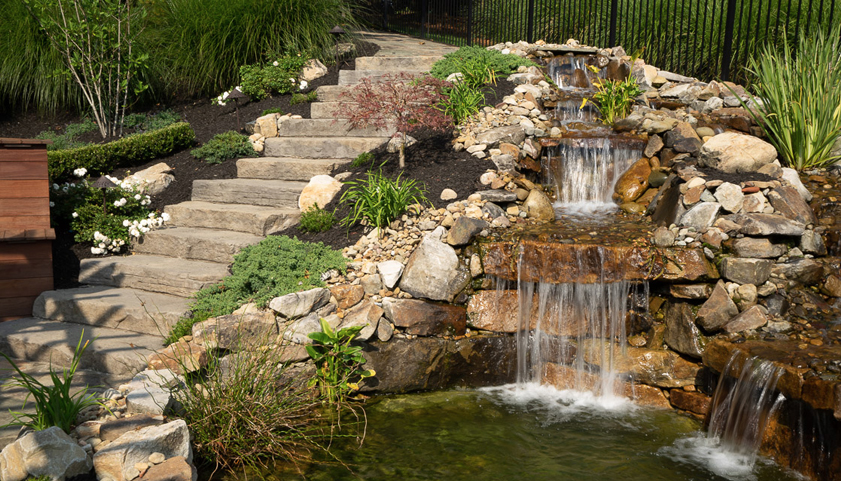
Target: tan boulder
[[320, 191], [538, 206], [633, 182], [152, 181]]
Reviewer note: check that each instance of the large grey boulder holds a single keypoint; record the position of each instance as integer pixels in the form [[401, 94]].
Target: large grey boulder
[[298, 304], [433, 271], [759, 248], [733, 153], [746, 271], [701, 216], [235, 331], [792, 178], [513, 134], [51, 453], [767, 225], [682, 334], [171, 439], [717, 310]]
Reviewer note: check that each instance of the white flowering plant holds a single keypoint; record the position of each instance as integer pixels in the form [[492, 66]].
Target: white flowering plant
[[107, 218], [279, 74]]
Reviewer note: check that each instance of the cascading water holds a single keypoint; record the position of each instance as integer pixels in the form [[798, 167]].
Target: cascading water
[[570, 72], [585, 172], [571, 111]]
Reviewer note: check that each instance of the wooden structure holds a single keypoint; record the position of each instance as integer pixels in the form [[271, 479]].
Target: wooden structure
[[26, 261]]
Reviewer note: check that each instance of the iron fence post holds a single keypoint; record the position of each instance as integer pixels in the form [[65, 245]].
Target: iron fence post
[[424, 17], [469, 22], [727, 55], [530, 28], [385, 14], [614, 7]]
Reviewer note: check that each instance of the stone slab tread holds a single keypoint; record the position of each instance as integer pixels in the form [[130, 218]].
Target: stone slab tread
[[168, 275], [251, 219], [195, 243], [272, 193], [287, 168], [320, 148]]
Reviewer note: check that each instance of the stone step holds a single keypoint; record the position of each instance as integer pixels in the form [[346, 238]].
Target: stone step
[[113, 307], [287, 168], [354, 77], [251, 219], [332, 93], [271, 193], [323, 110], [116, 352], [327, 127], [399, 64], [195, 243], [177, 277], [319, 148]]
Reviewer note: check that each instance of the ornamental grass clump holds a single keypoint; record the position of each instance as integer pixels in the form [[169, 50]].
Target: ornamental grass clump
[[799, 98], [379, 200]]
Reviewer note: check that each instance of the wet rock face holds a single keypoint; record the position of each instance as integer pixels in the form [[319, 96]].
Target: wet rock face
[[717, 310], [681, 333], [433, 271], [425, 318], [633, 182]]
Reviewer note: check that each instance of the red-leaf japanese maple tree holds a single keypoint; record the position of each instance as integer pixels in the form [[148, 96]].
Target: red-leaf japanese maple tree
[[404, 101]]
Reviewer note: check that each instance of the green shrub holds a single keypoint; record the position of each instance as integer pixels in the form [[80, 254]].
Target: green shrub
[[54, 405], [67, 140], [280, 75], [125, 152], [225, 146], [379, 200], [478, 59], [462, 101], [315, 220], [276, 266], [801, 98], [365, 158], [276, 110]]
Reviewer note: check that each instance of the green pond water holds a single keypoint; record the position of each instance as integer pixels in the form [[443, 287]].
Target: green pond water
[[537, 433]]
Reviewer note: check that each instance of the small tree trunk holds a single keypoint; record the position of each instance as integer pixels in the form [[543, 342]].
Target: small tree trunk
[[403, 151]]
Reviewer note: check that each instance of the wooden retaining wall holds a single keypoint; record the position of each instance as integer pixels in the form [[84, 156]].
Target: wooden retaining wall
[[26, 265]]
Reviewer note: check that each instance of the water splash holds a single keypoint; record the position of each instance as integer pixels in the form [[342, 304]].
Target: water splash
[[570, 72], [585, 172], [571, 111]]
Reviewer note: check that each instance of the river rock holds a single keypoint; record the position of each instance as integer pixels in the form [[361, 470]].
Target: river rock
[[173, 469], [313, 69], [433, 270], [50, 453], [664, 237], [734, 153], [366, 314], [717, 310], [538, 206], [701, 216], [633, 182], [462, 232], [812, 243], [171, 439], [423, 318], [235, 332], [347, 295], [730, 197], [683, 139], [152, 180], [694, 402], [792, 177], [759, 248], [152, 400], [112, 430], [320, 190], [497, 195], [181, 356], [297, 304], [681, 333], [512, 134], [746, 271], [690, 291], [655, 144], [767, 225], [390, 272], [807, 271], [504, 163], [753, 318], [791, 205], [832, 286]]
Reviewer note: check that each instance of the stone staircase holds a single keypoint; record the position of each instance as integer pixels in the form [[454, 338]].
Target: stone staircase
[[128, 303]]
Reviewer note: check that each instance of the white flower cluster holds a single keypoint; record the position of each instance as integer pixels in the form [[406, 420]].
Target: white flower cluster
[[223, 99], [138, 228], [65, 187], [103, 244], [130, 188], [301, 86], [80, 172]]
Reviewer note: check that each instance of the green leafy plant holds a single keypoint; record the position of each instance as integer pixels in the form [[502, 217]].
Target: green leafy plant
[[462, 101], [54, 404], [276, 110], [224, 146], [67, 140], [337, 362], [478, 61], [281, 76], [276, 266], [800, 92], [614, 98], [126, 152], [299, 98], [379, 200], [363, 159], [315, 220]]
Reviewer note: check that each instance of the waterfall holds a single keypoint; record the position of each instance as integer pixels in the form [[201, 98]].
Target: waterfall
[[570, 335], [567, 111], [742, 406], [570, 72], [585, 171]]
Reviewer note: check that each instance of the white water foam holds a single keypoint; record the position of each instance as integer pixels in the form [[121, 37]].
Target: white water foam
[[709, 453], [561, 404]]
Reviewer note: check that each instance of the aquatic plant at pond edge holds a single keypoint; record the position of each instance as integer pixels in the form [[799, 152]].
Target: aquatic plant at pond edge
[[337, 362]]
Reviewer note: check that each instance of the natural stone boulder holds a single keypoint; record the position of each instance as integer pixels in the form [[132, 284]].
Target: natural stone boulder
[[633, 182], [807, 271], [693, 402], [234, 332], [433, 270], [792, 178], [655, 144], [152, 180], [112, 430], [663, 237], [462, 232], [538, 206], [266, 125], [655, 367], [319, 191], [757, 248], [298, 304], [683, 139], [767, 225], [791, 205], [730, 197], [753, 318], [173, 469], [746, 271], [366, 314], [423, 318], [347, 295], [496, 311], [313, 69], [717, 310], [50, 453], [701, 216], [690, 291], [734, 153], [152, 400], [681, 333], [812, 243], [390, 272], [171, 440], [832, 286], [513, 134], [182, 357], [497, 195]]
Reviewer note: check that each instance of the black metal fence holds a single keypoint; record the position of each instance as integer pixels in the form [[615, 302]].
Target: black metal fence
[[703, 38]]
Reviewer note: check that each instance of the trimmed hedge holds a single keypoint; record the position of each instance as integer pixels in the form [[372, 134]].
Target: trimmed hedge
[[126, 152]]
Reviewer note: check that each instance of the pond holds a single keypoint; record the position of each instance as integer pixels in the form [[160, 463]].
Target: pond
[[532, 433]]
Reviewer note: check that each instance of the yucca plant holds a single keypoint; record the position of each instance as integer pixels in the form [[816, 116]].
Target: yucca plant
[[54, 404], [379, 200], [799, 98]]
